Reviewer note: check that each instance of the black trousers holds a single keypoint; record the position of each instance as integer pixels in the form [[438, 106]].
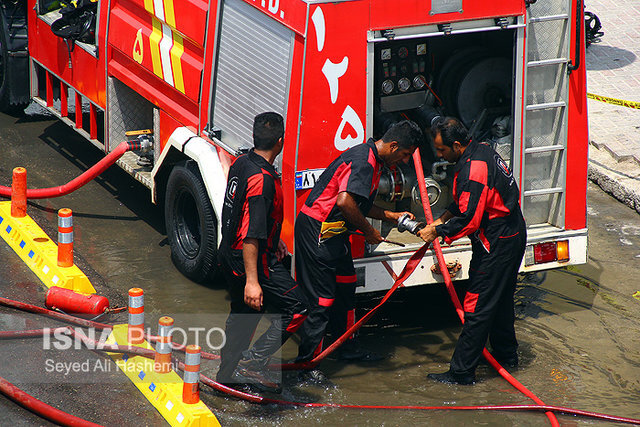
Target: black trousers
[[488, 304], [281, 296], [326, 273]]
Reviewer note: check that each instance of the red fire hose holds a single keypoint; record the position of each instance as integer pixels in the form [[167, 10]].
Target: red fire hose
[[40, 408], [54, 314], [91, 343], [454, 297], [73, 320], [409, 267], [84, 178]]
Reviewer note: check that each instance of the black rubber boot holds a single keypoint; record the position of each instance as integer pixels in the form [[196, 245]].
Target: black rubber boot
[[506, 362], [314, 377], [451, 378], [257, 375]]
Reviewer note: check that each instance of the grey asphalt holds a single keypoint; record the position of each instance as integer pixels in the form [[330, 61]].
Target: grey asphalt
[[613, 70]]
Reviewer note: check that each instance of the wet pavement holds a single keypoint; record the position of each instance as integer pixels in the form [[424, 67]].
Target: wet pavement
[[579, 328]]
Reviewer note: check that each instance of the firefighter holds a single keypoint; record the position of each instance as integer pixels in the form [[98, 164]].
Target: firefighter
[[250, 255], [335, 208], [486, 208]]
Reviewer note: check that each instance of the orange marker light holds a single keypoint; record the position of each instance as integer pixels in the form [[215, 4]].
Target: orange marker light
[[563, 251]]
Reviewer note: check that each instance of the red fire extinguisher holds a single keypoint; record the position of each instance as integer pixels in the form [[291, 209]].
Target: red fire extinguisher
[[75, 303]]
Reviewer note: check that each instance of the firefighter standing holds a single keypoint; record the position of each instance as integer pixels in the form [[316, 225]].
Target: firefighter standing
[[487, 208], [250, 255], [336, 206]]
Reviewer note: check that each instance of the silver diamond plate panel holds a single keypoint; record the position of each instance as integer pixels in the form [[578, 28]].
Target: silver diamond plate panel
[[127, 111], [544, 170], [544, 209], [547, 40], [546, 83], [252, 72], [545, 127], [548, 8]]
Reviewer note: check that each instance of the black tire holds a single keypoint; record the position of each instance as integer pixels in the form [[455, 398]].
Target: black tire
[[191, 222], [14, 67]]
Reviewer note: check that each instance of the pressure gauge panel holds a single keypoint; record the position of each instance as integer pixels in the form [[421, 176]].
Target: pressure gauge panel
[[401, 73]]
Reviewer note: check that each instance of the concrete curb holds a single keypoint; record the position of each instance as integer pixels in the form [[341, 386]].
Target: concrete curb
[[619, 179]]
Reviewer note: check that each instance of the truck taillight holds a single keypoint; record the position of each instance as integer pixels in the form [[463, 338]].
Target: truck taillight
[[547, 252]]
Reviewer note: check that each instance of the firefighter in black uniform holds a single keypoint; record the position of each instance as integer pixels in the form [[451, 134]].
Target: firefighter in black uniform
[[336, 206], [486, 208], [250, 254]]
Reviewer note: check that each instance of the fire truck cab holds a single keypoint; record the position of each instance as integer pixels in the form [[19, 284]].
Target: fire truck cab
[[196, 72]]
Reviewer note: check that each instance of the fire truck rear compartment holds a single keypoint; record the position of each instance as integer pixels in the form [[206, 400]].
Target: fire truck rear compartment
[[469, 76]]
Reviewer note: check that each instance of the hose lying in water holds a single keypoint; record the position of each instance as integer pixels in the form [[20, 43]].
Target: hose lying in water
[[40, 408], [409, 267], [139, 351], [417, 160], [84, 178], [75, 321], [93, 344]]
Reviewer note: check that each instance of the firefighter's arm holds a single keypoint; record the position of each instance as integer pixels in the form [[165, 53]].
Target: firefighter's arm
[[472, 202], [446, 216], [430, 232], [252, 288], [349, 208], [377, 212]]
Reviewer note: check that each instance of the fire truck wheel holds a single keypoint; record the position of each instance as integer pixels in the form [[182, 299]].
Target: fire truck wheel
[[191, 223]]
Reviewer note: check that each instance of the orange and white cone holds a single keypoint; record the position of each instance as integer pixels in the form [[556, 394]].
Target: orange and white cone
[[19, 193], [135, 333], [162, 363], [191, 387], [65, 238]]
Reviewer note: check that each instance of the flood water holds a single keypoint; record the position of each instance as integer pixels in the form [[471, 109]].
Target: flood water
[[579, 327]]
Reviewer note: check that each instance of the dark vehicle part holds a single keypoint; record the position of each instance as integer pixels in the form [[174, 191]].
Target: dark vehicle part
[[401, 74], [191, 223], [579, 21], [486, 85], [14, 57], [77, 23], [592, 27]]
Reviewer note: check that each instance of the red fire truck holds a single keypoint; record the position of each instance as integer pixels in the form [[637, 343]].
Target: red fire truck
[[196, 72]]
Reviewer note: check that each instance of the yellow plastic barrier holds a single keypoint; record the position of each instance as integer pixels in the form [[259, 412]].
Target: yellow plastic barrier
[[39, 252], [164, 391]]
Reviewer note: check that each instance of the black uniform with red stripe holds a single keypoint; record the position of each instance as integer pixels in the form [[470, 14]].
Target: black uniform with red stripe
[[253, 208], [486, 208], [324, 266]]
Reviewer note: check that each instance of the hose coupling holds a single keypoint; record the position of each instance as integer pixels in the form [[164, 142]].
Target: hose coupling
[[405, 223]]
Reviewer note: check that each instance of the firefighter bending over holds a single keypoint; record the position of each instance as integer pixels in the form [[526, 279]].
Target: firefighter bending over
[[336, 207], [250, 255], [486, 207]]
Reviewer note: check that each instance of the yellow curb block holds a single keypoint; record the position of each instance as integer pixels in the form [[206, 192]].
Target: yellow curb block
[[40, 254], [164, 391]]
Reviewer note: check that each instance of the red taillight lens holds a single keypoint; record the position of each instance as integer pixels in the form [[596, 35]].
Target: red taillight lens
[[544, 252]]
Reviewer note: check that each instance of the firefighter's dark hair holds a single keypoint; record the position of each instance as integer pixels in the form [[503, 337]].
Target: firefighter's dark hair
[[268, 128], [450, 130], [406, 133]]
